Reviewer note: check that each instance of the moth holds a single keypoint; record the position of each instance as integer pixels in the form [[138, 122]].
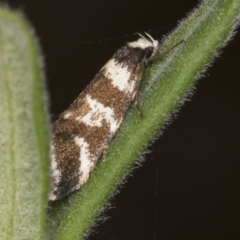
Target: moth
[[85, 129]]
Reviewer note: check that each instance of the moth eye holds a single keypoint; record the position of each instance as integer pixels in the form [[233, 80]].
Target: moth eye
[[149, 53]]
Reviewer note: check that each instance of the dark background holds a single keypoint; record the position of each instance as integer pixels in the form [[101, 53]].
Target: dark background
[[188, 188]]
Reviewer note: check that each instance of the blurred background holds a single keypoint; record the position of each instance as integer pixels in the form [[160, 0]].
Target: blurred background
[[188, 187]]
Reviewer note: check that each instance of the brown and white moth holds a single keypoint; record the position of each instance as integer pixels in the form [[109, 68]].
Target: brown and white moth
[[85, 129]]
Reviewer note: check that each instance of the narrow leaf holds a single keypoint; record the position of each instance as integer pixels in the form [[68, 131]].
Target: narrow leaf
[[24, 132]]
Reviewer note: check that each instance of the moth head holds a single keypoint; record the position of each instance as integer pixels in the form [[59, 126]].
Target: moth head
[[146, 43]]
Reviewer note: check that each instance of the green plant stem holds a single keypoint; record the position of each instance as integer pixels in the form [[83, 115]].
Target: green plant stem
[[24, 132], [167, 83]]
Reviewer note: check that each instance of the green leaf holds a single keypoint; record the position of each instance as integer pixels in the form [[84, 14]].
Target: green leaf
[[24, 132], [167, 83]]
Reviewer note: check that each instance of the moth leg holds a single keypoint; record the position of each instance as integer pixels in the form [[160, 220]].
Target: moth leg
[[137, 88], [136, 105], [104, 153]]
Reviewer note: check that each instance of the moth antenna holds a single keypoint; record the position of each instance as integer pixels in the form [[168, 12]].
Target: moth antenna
[[149, 36], [141, 36]]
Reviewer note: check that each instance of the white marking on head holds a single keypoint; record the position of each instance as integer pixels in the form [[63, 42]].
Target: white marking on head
[[119, 76], [97, 114], [145, 43], [85, 159]]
